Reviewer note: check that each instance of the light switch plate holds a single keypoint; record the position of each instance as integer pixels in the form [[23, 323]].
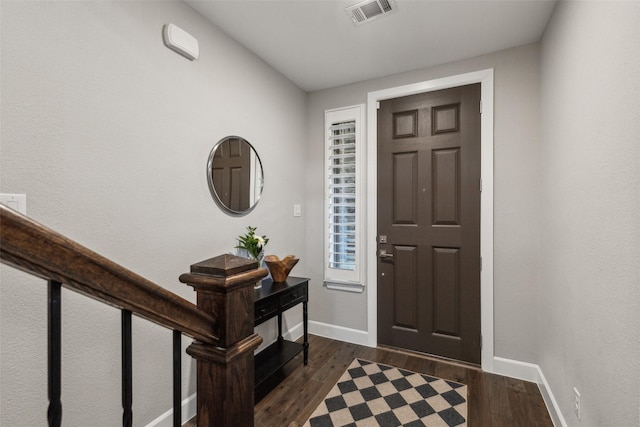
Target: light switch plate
[[297, 210], [16, 202]]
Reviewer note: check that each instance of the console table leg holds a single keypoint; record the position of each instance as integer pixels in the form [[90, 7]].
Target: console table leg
[[305, 326]]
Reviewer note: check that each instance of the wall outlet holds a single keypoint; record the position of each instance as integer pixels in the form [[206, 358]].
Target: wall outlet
[[16, 202], [576, 402]]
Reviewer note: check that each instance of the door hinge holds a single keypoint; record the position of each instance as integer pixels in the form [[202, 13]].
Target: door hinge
[[480, 263], [481, 185], [377, 105], [481, 106], [480, 342]]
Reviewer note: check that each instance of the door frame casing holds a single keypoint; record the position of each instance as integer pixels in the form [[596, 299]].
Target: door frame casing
[[485, 78]]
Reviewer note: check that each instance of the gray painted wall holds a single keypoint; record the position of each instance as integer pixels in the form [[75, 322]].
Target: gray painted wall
[[516, 138], [589, 288], [108, 132]]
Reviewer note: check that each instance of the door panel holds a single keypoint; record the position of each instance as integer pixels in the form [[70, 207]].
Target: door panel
[[231, 170], [405, 185], [406, 292], [429, 210], [446, 291], [445, 171]]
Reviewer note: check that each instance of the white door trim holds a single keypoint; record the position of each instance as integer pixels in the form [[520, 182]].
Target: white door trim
[[485, 78]]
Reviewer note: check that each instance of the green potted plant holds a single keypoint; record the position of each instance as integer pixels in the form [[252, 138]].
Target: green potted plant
[[252, 245]]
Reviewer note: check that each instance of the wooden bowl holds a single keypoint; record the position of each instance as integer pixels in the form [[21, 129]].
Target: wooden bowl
[[278, 268]]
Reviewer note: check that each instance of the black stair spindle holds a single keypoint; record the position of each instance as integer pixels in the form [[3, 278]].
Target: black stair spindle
[[127, 369], [54, 412], [177, 378]]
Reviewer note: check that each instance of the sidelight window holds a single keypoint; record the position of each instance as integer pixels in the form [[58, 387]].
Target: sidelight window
[[343, 206]]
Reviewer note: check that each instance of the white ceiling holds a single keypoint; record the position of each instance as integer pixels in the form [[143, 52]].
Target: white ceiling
[[315, 44]]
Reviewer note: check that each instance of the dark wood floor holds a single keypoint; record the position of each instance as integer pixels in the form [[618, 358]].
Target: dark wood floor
[[494, 401]]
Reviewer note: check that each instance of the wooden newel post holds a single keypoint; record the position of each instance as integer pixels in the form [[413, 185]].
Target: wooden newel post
[[225, 371]]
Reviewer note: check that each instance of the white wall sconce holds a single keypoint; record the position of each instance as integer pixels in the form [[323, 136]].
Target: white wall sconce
[[179, 40]]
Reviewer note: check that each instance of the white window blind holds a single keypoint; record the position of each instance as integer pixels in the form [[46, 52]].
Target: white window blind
[[342, 195], [343, 185]]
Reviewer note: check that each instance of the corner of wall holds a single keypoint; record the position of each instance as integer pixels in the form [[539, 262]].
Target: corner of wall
[[533, 373]]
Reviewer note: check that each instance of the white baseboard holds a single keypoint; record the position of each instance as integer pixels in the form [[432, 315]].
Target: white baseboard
[[294, 332], [531, 372], [516, 369], [340, 333], [550, 401], [189, 410]]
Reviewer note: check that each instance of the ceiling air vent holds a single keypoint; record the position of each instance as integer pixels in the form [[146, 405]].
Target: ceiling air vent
[[369, 10]]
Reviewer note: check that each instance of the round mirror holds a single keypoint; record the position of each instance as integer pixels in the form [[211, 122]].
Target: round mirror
[[235, 177]]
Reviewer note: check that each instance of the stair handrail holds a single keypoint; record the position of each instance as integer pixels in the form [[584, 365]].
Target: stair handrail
[[36, 249]]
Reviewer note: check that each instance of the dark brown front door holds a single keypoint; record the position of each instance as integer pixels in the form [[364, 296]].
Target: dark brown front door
[[429, 223], [231, 170]]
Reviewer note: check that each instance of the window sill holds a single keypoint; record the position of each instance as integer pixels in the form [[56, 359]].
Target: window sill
[[357, 288]]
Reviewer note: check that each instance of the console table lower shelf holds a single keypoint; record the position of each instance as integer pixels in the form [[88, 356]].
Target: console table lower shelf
[[274, 357], [271, 300]]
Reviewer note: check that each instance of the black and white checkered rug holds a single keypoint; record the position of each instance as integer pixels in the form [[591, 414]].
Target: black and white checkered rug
[[372, 394]]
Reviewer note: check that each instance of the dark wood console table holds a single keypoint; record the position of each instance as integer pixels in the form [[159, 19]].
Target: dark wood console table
[[271, 300]]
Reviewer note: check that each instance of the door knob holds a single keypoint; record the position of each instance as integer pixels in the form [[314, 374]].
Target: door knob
[[384, 255]]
